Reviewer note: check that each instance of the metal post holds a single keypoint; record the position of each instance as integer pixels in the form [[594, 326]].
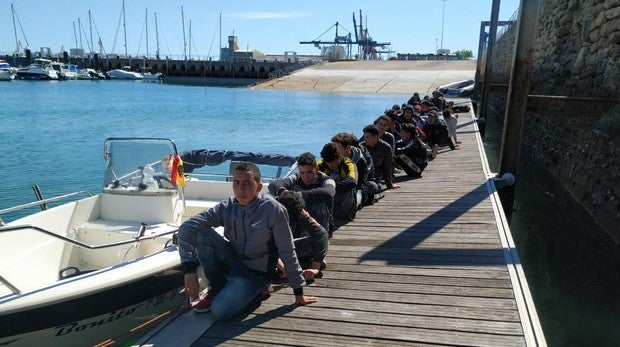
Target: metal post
[[481, 41], [488, 66], [518, 91]]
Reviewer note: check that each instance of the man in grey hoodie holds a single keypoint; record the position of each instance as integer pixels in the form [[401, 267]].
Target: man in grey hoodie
[[241, 266]]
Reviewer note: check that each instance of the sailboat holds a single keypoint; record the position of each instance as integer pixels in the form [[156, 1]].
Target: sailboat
[[147, 76], [125, 72]]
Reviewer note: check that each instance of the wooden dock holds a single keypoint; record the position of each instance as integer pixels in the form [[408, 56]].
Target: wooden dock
[[432, 263]]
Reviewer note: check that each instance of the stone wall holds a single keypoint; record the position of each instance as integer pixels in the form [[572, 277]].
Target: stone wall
[[576, 54]]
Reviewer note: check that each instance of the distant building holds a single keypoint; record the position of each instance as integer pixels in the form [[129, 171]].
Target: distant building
[[232, 53]]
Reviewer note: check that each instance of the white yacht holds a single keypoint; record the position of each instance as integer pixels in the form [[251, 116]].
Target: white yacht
[[65, 71], [7, 72], [41, 69], [124, 74]]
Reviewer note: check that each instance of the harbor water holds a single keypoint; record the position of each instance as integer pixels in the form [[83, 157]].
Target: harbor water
[[52, 135], [571, 264]]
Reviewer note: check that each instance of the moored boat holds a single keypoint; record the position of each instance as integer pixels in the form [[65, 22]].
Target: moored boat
[[7, 72], [94, 269], [41, 69], [65, 71], [124, 74]]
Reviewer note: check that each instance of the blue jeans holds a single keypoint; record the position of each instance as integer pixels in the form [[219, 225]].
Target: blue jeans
[[236, 283]]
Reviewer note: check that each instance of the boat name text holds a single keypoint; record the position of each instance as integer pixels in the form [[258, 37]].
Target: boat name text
[[79, 326]]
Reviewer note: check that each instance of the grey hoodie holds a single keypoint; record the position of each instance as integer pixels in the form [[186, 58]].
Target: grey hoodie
[[252, 230]]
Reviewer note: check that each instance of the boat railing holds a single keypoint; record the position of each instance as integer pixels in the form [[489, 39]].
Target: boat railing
[[9, 228], [42, 202], [141, 237]]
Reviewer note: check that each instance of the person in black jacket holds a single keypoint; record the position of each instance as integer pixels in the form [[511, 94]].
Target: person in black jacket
[[315, 187], [411, 152], [437, 133], [311, 239]]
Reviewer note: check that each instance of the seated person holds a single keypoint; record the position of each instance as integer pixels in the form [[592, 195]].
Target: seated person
[[315, 187], [348, 147], [344, 172], [437, 133], [407, 115], [310, 238], [411, 152], [383, 124], [451, 121], [381, 154]]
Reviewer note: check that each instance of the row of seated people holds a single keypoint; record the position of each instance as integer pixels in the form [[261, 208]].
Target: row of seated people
[[351, 174], [348, 176]]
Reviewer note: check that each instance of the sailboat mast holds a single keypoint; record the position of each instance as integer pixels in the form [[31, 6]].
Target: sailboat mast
[[80, 31], [146, 23], [15, 31], [190, 39], [125, 30], [156, 38], [220, 25], [75, 35], [184, 42], [90, 25]]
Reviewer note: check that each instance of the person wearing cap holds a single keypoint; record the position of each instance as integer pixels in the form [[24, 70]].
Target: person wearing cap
[[315, 187], [437, 133], [344, 172], [381, 154]]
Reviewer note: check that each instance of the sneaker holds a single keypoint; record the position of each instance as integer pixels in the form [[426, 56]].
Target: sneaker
[[265, 293], [204, 304]]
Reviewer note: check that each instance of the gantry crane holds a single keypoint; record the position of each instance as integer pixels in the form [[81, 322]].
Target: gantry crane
[[367, 47]]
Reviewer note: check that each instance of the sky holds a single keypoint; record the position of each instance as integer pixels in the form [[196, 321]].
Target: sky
[[269, 26]]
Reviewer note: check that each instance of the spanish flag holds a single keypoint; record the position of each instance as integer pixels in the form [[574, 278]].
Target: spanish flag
[[177, 175]]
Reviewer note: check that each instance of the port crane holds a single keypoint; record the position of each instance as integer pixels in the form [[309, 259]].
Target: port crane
[[367, 47]]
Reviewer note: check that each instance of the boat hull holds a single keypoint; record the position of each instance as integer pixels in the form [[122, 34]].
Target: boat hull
[[6, 75], [36, 75], [93, 318]]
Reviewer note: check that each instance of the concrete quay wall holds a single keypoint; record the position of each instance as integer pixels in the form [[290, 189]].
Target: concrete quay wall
[[576, 55], [247, 69]]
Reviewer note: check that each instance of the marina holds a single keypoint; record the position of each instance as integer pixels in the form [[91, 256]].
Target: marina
[[460, 256]]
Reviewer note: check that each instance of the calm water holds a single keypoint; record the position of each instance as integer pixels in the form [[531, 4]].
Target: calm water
[[52, 134], [572, 266]]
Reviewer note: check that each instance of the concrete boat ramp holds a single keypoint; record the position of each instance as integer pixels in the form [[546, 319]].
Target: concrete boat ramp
[[376, 77], [432, 263]]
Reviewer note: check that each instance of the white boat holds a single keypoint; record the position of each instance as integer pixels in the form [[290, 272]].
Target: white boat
[[66, 71], [148, 76], [457, 89], [94, 269], [124, 74], [41, 69], [7, 72]]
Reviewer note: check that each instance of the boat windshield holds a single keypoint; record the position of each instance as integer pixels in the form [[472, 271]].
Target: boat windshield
[[138, 163]]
